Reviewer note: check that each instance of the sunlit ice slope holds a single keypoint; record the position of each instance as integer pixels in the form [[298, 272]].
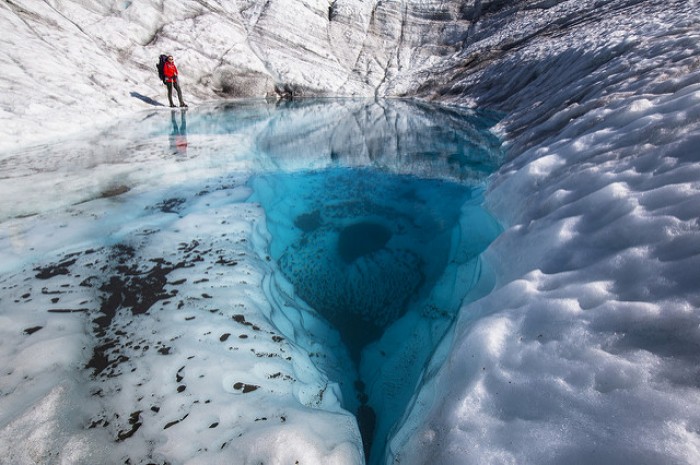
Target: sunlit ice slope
[[587, 350]]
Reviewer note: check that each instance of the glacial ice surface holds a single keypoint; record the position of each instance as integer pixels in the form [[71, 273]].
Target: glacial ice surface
[[198, 282], [586, 349]]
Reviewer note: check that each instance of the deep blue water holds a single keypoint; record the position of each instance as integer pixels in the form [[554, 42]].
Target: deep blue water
[[359, 245], [380, 231]]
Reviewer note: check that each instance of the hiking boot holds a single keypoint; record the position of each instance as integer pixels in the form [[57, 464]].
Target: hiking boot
[[183, 105]]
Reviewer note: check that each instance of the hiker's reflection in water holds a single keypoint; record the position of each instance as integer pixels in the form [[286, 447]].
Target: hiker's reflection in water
[[178, 136]]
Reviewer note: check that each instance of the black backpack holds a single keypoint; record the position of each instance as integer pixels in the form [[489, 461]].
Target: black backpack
[[161, 63]]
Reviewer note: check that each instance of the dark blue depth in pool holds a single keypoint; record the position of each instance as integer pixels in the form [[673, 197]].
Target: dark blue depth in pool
[[359, 245], [376, 219]]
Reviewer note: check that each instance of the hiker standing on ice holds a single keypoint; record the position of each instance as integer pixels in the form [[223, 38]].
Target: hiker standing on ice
[[171, 80]]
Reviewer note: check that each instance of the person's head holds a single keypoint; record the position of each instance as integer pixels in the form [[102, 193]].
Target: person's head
[[170, 58]]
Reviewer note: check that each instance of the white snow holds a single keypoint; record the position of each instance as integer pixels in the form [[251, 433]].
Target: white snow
[[586, 351]]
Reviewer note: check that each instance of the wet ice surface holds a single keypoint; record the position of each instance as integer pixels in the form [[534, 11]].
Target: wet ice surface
[[150, 310]]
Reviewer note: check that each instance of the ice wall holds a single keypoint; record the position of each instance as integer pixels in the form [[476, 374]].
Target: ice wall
[[586, 350], [92, 61]]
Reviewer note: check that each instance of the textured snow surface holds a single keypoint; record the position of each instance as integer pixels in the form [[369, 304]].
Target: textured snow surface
[[587, 351]]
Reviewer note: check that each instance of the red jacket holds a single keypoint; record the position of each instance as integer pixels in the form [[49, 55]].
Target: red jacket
[[170, 72]]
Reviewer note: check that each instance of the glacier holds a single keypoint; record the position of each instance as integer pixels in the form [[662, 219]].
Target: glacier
[[584, 348]]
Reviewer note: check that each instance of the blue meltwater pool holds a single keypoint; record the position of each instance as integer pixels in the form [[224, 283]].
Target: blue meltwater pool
[[384, 241], [360, 245]]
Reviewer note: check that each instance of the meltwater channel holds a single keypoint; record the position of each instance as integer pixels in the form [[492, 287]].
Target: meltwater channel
[[219, 233]]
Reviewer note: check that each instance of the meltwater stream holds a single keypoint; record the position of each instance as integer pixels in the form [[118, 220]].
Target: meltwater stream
[[272, 250]]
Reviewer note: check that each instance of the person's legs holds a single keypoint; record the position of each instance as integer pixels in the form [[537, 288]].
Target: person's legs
[[183, 123], [169, 85], [179, 94]]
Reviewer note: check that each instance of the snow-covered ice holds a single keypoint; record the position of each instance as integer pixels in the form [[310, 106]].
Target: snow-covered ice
[[584, 349]]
